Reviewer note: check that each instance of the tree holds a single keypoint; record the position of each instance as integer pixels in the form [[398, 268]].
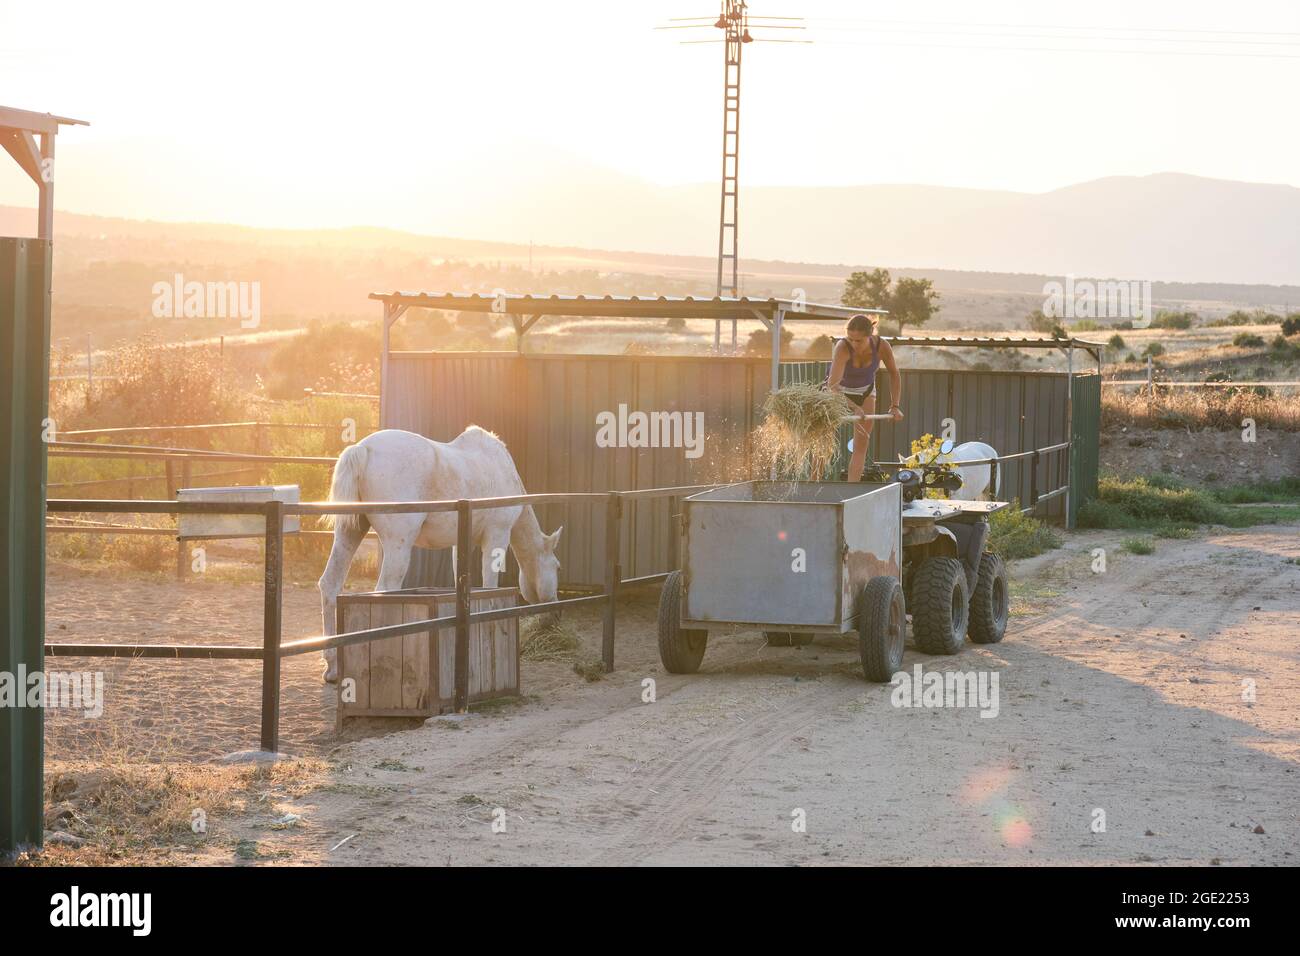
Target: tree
[[820, 348], [913, 302], [867, 290], [760, 341], [1038, 322], [909, 302]]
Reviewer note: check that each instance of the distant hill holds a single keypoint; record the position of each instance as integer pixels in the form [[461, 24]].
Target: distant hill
[[1165, 227], [105, 270]]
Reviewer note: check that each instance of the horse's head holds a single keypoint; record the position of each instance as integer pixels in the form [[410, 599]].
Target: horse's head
[[539, 578]]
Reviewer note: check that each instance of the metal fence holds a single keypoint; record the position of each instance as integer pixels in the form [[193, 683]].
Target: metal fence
[[272, 650]]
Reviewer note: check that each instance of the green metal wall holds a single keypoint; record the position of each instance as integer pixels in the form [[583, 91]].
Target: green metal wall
[[24, 400], [1086, 431]]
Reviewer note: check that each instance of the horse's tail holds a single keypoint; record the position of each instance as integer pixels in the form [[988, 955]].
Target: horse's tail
[[346, 486]]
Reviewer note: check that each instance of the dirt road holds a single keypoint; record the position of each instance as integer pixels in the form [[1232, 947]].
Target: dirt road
[[1119, 694]]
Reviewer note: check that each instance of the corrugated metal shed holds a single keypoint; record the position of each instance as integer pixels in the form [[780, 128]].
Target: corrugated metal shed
[[545, 408]]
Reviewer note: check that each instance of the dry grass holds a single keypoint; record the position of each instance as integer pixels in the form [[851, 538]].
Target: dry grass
[[1193, 408], [548, 639], [123, 812], [800, 434]]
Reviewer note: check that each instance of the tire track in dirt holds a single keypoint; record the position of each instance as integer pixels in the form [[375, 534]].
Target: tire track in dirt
[[694, 778]]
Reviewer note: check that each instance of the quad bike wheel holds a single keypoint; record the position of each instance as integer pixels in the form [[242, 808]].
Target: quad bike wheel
[[991, 602], [939, 608]]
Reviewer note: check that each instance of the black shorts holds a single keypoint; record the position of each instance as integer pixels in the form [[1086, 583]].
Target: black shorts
[[858, 399]]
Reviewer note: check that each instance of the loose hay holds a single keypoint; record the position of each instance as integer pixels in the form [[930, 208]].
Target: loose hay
[[800, 435]]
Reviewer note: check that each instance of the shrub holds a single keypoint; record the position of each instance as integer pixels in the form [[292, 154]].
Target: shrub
[[1116, 342], [1281, 348], [1154, 349], [336, 357], [1279, 490], [148, 383], [1138, 546], [1173, 320], [142, 552], [1247, 340], [1015, 535], [1162, 503], [1221, 408], [676, 324], [1291, 324]]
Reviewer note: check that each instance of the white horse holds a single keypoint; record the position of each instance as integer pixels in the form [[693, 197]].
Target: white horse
[[396, 465], [975, 479]]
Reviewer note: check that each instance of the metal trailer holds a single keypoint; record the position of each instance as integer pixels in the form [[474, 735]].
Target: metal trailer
[[798, 559]]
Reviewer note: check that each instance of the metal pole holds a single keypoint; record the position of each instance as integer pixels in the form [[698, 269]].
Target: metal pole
[[463, 518], [383, 367], [777, 319], [1069, 431], [45, 208], [613, 573], [271, 617]]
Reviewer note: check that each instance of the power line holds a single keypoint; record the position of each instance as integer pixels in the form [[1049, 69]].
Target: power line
[[850, 24], [1060, 49]]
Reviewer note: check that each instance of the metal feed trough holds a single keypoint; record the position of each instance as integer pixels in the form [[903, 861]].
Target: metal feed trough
[[798, 559], [214, 526]]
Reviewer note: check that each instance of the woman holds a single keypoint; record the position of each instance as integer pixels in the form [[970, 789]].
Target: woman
[[853, 373]]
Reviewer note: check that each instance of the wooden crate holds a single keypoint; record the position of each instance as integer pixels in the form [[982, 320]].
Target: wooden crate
[[414, 675]]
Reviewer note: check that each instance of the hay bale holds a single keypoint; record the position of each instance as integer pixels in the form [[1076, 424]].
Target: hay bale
[[800, 434]]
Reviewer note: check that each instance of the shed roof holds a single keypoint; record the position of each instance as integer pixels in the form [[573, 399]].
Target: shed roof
[[32, 122], [621, 306], [995, 342]]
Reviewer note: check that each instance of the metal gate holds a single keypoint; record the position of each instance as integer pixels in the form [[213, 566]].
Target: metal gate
[[1085, 430], [24, 400]]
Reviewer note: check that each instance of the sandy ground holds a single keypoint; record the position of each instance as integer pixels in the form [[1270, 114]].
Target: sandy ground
[[1120, 692], [189, 709]]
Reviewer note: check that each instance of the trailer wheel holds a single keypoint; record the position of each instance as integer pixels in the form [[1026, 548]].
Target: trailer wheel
[[940, 613], [681, 649], [990, 604], [882, 621], [787, 639]]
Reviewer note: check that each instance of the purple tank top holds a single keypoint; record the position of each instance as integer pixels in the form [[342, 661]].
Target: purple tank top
[[860, 377]]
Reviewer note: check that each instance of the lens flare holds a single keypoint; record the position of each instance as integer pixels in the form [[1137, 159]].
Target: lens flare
[[987, 789]]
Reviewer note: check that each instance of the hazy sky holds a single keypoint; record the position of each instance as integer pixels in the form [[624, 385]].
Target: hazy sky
[[301, 114]]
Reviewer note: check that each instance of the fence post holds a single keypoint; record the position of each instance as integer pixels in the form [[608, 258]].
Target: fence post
[[274, 579], [1033, 479], [464, 555], [182, 547], [613, 573]]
